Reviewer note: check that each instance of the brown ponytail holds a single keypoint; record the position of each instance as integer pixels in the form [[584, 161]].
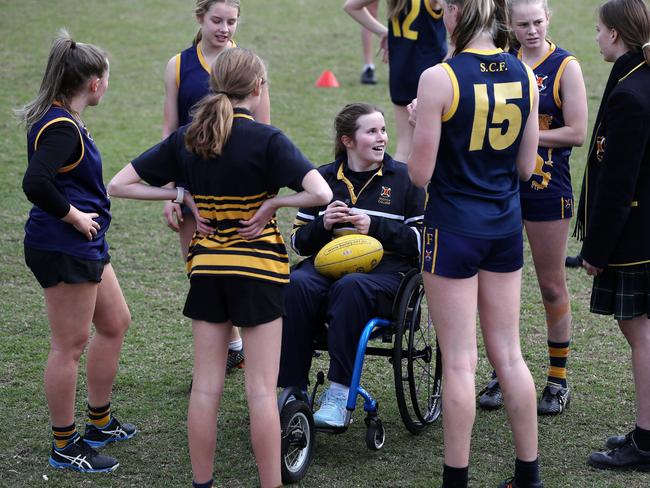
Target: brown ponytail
[[238, 73], [70, 65]]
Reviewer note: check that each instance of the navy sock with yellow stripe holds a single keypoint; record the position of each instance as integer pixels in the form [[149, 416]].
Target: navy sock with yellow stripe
[[99, 416], [64, 435], [558, 354]]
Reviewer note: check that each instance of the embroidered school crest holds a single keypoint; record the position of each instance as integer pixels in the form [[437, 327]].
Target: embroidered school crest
[[428, 255], [541, 82], [600, 148], [384, 196]]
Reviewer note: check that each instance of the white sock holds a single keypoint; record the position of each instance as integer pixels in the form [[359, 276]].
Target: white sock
[[338, 387], [366, 66], [235, 345]]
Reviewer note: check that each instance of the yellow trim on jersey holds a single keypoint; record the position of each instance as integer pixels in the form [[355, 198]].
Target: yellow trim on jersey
[[353, 196], [435, 14], [634, 203], [558, 76], [632, 71], [550, 51], [231, 197], [456, 96], [242, 116], [202, 60], [629, 264], [562, 204], [487, 52], [532, 84], [177, 61], [239, 273], [70, 167]]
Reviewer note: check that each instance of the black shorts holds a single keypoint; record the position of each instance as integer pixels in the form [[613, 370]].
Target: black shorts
[[244, 301], [51, 267], [623, 292]]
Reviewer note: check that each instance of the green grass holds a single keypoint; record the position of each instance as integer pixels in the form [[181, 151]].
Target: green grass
[[298, 39]]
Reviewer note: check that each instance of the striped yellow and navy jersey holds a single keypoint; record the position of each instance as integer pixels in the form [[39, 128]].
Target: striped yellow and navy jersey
[[256, 161], [474, 190], [192, 81], [552, 176], [417, 40], [81, 182], [394, 204]]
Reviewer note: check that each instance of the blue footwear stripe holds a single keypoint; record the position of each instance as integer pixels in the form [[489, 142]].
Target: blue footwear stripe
[[98, 444], [57, 465]]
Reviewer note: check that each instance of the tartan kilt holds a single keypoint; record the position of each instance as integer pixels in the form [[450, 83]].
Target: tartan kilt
[[622, 291]]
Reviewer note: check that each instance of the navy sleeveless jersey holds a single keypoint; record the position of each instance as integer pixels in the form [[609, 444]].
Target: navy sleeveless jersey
[[474, 190], [552, 176], [192, 80], [417, 40], [82, 184]]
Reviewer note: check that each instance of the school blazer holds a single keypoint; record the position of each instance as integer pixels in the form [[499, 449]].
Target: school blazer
[[617, 180]]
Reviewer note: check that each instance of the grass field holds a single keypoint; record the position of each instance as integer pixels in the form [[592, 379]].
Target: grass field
[[298, 39]]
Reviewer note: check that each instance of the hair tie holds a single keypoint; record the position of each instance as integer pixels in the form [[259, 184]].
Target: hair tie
[[647, 44], [222, 93], [73, 44]]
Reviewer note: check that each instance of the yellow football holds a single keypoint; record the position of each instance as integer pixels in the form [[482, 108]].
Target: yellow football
[[353, 253]]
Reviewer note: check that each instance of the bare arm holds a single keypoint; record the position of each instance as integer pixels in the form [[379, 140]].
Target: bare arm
[[316, 192], [435, 94], [527, 154], [128, 184], [574, 111], [358, 11], [170, 107]]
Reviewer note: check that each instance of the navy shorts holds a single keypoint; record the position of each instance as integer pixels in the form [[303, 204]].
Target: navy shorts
[[243, 301], [547, 209], [51, 268], [455, 256]]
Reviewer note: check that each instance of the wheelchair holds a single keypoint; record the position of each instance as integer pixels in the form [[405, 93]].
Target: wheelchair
[[417, 368]]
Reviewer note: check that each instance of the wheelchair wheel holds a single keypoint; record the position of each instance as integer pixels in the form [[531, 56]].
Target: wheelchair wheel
[[417, 363], [375, 435], [297, 447]]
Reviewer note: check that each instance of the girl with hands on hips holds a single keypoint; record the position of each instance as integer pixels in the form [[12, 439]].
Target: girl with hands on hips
[[235, 168]]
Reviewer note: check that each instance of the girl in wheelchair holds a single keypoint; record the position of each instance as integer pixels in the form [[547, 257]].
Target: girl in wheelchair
[[374, 196]]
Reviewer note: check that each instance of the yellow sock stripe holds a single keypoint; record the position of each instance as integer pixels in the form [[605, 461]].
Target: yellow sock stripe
[[555, 372], [65, 433], [558, 352]]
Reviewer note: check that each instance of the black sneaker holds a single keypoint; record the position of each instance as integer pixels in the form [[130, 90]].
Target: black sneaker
[[114, 431], [615, 441], [368, 76], [235, 360], [79, 456], [554, 400], [626, 457], [510, 483], [490, 397]]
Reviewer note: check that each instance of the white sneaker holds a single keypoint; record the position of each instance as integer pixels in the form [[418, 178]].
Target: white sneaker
[[332, 409]]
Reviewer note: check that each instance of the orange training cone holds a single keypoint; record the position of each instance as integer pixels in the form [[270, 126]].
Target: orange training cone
[[327, 80]]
